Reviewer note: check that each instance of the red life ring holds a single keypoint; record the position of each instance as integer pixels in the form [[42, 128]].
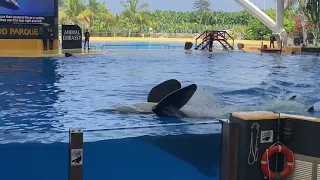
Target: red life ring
[[271, 151]]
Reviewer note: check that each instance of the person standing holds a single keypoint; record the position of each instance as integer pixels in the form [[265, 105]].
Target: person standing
[[272, 40], [44, 37], [86, 39], [51, 38], [211, 39]]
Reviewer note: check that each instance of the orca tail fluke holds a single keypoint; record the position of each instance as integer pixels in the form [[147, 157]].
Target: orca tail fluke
[[170, 105], [160, 91]]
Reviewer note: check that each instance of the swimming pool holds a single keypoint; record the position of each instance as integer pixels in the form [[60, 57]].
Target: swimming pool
[[59, 93]]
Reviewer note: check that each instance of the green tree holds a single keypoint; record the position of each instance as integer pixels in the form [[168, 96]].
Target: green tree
[[73, 11], [202, 5], [257, 30], [301, 14], [89, 13], [61, 4], [313, 16], [135, 13]]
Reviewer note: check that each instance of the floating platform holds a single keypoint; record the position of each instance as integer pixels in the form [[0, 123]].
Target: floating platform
[[311, 49], [270, 50]]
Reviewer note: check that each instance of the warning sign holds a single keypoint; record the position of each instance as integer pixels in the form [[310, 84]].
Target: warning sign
[[266, 136], [76, 157]]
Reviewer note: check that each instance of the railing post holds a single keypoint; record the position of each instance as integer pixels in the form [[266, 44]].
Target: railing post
[[229, 150], [75, 154]]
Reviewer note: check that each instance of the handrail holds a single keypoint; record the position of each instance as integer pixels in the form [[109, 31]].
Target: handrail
[[174, 47], [225, 32], [230, 38], [200, 36], [113, 128], [136, 45], [204, 39]]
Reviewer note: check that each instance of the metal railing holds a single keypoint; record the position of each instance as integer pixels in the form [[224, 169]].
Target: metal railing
[[166, 46]]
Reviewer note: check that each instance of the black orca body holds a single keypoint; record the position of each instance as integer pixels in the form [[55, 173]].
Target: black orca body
[[68, 54], [10, 4]]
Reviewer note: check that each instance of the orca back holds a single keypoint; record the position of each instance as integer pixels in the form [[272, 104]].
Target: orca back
[[68, 54]]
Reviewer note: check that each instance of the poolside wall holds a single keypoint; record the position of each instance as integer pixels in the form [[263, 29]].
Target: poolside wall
[[171, 157], [24, 44], [303, 142]]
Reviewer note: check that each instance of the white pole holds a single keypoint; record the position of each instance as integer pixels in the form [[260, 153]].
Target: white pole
[[280, 16]]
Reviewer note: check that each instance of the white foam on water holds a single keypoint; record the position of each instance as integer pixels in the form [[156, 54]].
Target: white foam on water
[[205, 104], [283, 106]]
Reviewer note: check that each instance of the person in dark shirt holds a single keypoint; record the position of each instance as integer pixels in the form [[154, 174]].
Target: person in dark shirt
[[272, 40], [211, 38], [51, 38], [44, 36], [86, 39]]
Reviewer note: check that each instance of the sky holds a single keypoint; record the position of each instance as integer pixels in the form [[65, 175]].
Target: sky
[[187, 5]]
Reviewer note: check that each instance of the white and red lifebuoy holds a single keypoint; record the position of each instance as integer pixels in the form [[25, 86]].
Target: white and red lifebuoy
[[271, 151]]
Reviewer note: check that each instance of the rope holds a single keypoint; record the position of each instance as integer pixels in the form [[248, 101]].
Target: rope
[[277, 155], [254, 151], [278, 176]]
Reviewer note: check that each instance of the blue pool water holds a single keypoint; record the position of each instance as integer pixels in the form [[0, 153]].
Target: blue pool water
[[59, 93]]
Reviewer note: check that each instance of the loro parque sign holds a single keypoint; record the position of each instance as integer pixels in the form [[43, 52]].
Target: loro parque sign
[[71, 37], [19, 32]]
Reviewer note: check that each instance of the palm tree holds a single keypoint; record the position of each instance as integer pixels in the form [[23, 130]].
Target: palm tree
[[313, 16], [135, 13], [202, 6], [61, 4], [73, 11]]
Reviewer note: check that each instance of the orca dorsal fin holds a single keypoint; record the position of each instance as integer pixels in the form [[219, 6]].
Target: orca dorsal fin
[[174, 101], [160, 91], [292, 98], [311, 109]]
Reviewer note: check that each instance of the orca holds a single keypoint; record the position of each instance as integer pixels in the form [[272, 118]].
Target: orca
[[164, 100], [10, 4], [68, 54], [312, 109]]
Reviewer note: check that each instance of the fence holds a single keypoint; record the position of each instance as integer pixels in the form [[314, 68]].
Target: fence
[[137, 46]]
